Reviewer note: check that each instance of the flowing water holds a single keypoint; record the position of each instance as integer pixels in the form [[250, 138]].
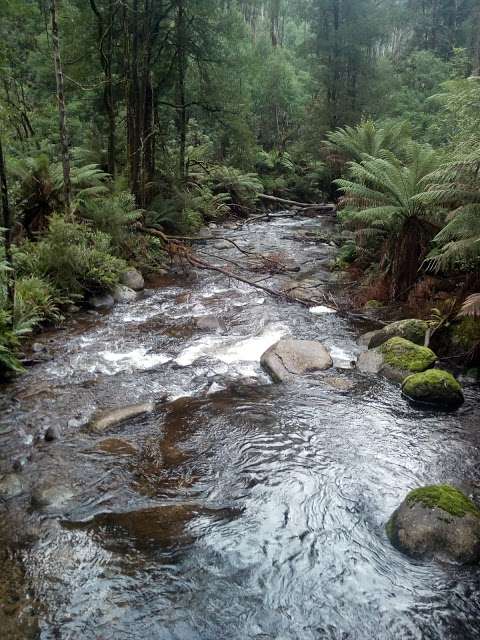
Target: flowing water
[[240, 509]]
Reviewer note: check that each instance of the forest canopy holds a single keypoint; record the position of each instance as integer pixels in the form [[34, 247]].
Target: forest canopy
[[122, 116]]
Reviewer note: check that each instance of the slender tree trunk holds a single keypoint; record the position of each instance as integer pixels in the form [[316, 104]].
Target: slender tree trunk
[[64, 141], [476, 43], [7, 222], [182, 115]]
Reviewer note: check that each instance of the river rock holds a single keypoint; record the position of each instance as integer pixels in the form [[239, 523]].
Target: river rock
[[124, 294], [412, 330], [52, 433], [209, 322], [435, 387], [11, 486], [51, 494], [437, 521], [132, 279], [105, 301], [396, 359], [290, 357], [110, 418]]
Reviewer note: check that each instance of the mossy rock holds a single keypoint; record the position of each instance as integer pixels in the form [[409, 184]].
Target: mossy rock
[[438, 521], [407, 356], [435, 387], [445, 497], [412, 329]]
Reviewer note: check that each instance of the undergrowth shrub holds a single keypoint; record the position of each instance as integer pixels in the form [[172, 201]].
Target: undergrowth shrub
[[75, 258]]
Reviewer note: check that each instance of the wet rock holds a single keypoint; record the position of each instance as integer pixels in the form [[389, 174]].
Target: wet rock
[[37, 389], [396, 359], [340, 384], [116, 447], [20, 463], [209, 322], [105, 301], [370, 362], [51, 494], [73, 308], [124, 294], [11, 486], [113, 417], [290, 357], [435, 387], [132, 279], [38, 347], [437, 521], [52, 433], [412, 330], [222, 245]]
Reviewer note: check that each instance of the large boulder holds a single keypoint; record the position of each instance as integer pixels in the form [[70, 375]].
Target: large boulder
[[435, 387], [412, 330], [437, 521], [288, 358], [132, 279], [396, 359]]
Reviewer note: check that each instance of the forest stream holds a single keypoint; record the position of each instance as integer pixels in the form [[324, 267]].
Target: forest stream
[[238, 509]]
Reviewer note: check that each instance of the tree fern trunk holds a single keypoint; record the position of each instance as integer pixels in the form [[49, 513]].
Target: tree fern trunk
[[407, 252]]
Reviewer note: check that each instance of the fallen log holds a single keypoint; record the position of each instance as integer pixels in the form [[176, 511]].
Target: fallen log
[[302, 205]]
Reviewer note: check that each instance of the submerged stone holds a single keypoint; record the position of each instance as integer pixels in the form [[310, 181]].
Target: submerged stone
[[437, 521], [435, 387], [101, 301], [51, 494], [113, 417], [11, 486]]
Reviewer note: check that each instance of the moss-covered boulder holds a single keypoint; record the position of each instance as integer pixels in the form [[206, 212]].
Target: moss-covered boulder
[[437, 521], [407, 356], [396, 359], [413, 330], [435, 387]]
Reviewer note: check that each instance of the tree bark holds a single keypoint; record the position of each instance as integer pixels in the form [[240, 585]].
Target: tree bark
[[64, 140], [181, 114], [7, 223]]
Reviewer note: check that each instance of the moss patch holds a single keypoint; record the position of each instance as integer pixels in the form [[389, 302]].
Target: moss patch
[[445, 497], [466, 333], [407, 356]]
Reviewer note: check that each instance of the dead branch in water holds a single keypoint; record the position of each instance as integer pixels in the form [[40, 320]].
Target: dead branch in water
[[178, 250]]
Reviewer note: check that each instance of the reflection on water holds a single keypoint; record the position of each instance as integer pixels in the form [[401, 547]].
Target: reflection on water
[[241, 509]]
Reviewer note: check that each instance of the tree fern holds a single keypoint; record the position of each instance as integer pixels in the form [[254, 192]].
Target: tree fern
[[381, 196], [455, 186], [353, 143]]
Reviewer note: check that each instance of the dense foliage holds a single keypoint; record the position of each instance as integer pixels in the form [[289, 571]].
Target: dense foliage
[[118, 116]]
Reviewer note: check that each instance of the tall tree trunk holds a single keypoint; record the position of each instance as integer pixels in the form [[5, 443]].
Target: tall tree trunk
[[7, 222], [64, 141], [105, 47], [476, 43], [181, 106]]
